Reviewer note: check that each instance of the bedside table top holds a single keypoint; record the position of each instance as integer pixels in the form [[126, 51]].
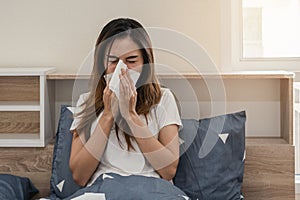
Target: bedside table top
[[26, 71]]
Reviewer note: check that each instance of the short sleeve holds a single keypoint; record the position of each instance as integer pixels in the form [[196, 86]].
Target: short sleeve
[[78, 109], [167, 111]]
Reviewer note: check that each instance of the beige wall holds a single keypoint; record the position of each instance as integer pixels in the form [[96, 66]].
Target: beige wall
[[61, 33]]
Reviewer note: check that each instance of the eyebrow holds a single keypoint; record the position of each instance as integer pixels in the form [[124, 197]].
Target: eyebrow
[[116, 57], [111, 56]]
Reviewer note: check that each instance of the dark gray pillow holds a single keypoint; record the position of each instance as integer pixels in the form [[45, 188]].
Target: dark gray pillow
[[212, 162], [15, 187], [62, 183]]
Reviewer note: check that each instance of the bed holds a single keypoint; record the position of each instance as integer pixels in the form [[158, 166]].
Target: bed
[[37, 163]]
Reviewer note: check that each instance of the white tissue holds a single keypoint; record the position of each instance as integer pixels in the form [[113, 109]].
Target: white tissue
[[115, 79], [90, 196]]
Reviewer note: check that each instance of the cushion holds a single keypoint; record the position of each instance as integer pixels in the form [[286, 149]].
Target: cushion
[[212, 162], [62, 183], [15, 187]]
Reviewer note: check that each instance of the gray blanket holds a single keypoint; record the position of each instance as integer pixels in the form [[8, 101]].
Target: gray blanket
[[132, 187]]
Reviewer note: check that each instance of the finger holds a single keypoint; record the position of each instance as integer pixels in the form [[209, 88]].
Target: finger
[[127, 86], [107, 91], [130, 85], [114, 104], [121, 75], [106, 79], [107, 85], [113, 96], [123, 71], [113, 99], [122, 87]]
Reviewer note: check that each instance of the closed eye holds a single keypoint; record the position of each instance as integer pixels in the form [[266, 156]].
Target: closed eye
[[132, 59], [113, 61]]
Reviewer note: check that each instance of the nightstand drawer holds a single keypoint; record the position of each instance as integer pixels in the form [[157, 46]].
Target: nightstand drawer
[[19, 122], [19, 88]]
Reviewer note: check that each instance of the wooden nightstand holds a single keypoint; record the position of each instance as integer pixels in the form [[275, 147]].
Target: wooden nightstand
[[25, 110]]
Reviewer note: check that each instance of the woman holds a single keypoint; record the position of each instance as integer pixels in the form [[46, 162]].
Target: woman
[[136, 133]]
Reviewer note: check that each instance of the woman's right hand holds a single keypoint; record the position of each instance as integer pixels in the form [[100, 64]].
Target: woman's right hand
[[108, 101]]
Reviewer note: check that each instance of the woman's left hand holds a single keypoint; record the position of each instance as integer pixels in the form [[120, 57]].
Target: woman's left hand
[[128, 96]]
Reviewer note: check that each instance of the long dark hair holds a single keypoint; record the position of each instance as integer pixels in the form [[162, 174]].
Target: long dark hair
[[148, 89]]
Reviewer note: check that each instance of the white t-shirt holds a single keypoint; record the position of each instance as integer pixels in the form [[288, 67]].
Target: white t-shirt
[[118, 159]]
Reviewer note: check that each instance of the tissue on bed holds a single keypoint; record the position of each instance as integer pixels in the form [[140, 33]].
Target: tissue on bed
[[115, 79], [90, 196]]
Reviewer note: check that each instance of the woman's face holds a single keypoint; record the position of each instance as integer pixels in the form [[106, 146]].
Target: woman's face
[[126, 50]]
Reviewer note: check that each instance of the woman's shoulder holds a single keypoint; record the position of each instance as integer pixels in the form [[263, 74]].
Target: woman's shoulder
[[84, 95], [167, 96], [166, 92], [82, 98]]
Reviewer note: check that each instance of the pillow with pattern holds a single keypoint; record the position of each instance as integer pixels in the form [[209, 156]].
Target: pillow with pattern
[[212, 162], [62, 183]]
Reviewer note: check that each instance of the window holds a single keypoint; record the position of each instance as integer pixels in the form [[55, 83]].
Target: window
[[260, 35], [271, 29]]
